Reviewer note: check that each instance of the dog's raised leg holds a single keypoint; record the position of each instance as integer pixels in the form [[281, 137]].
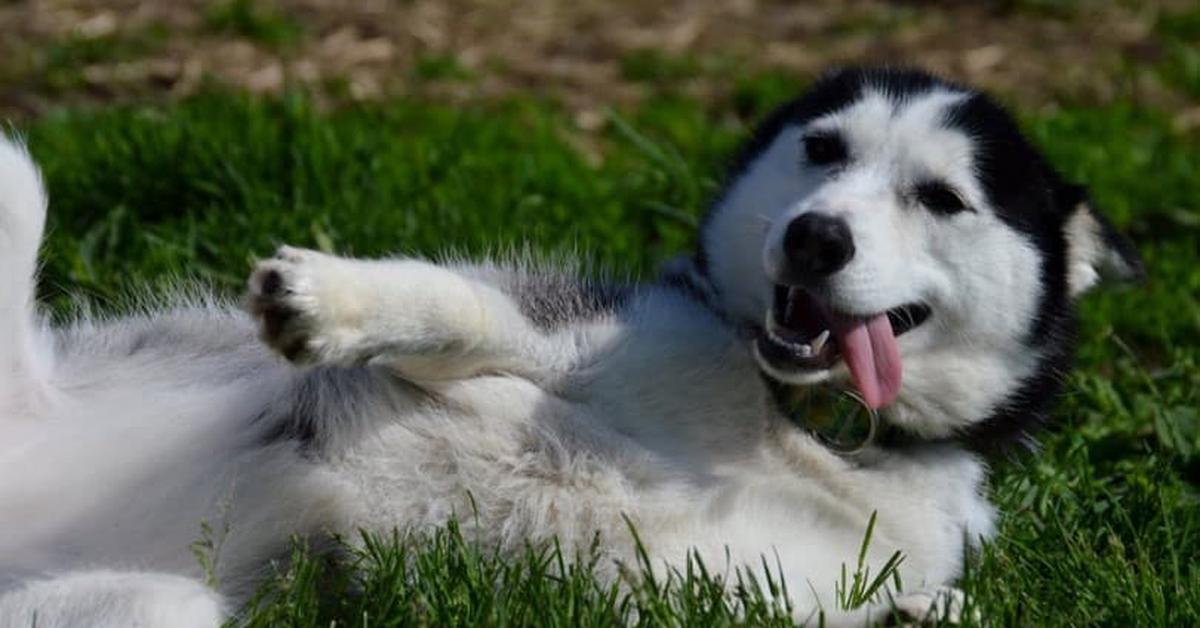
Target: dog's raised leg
[[25, 354], [427, 322]]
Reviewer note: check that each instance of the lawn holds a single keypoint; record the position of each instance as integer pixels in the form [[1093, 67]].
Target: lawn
[[1100, 526]]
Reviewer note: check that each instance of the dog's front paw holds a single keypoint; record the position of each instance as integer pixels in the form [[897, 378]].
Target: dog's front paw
[[307, 305]]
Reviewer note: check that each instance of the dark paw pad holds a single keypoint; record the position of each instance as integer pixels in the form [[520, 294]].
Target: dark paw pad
[[275, 319], [272, 284]]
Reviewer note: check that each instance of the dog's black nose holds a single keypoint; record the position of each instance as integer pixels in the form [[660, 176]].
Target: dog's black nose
[[817, 245]]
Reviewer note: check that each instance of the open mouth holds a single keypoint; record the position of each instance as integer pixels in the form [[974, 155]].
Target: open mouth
[[802, 339]]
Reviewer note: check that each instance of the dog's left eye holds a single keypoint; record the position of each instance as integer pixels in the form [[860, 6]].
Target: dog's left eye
[[940, 198], [824, 149]]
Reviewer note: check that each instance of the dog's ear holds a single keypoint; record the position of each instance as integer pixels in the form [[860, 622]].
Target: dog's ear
[[1095, 249]]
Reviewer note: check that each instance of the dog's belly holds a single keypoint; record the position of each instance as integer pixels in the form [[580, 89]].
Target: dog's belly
[[511, 462], [514, 463]]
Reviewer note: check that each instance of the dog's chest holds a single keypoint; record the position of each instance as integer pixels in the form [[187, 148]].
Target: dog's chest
[[675, 380]]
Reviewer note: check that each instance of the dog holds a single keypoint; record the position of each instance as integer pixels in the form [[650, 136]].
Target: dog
[[888, 242]]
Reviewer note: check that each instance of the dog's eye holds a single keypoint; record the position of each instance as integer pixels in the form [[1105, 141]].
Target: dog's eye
[[824, 149], [939, 198]]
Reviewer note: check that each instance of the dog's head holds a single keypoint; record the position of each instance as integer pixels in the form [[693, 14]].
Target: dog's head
[[897, 234]]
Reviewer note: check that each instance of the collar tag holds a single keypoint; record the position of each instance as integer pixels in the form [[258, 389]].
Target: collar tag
[[839, 419]]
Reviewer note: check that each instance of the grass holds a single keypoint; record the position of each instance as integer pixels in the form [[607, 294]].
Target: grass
[[1101, 527], [1180, 36], [65, 60], [441, 579], [255, 21]]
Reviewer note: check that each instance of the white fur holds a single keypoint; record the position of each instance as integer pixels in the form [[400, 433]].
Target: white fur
[[107, 599], [429, 393], [22, 217]]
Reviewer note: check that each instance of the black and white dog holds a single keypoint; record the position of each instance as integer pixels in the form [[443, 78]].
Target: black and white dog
[[888, 234]]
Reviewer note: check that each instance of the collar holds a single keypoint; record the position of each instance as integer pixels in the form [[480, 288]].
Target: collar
[[840, 420]]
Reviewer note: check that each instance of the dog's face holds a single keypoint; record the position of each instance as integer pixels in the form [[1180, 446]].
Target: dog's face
[[897, 235]]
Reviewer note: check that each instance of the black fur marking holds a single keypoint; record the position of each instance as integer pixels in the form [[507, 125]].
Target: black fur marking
[[330, 399], [1031, 197], [296, 416], [554, 297], [286, 427], [555, 302]]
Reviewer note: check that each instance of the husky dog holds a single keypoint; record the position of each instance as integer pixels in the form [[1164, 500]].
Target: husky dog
[[888, 234]]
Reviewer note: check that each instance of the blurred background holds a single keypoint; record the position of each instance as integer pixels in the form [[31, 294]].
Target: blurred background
[[588, 54]]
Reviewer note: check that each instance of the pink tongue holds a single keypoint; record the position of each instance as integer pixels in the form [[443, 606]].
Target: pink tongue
[[870, 351]]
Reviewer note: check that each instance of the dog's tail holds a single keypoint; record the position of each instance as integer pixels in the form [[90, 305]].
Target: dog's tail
[[22, 199], [24, 354]]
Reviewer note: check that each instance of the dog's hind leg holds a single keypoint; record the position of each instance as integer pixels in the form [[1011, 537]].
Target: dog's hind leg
[[25, 352], [427, 322]]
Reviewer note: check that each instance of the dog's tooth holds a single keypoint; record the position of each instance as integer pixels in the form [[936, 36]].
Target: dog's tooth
[[771, 326], [793, 296], [818, 343]]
